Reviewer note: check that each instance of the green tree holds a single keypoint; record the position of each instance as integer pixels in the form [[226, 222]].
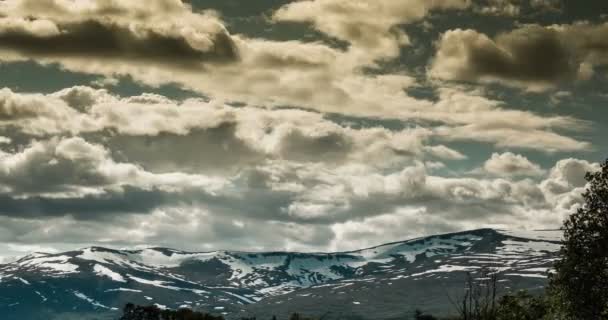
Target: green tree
[[579, 288]]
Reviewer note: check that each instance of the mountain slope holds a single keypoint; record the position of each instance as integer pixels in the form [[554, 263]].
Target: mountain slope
[[386, 281]]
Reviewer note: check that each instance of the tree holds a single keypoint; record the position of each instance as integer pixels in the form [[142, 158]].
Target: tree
[[521, 306], [579, 286], [479, 299], [133, 312]]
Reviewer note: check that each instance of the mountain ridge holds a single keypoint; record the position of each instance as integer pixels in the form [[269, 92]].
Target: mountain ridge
[[99, 280]]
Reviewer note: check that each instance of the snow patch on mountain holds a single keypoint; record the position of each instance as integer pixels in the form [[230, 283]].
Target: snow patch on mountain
[[84, 297], [55, 264], [105, 272], [123, 289], [535, 247]]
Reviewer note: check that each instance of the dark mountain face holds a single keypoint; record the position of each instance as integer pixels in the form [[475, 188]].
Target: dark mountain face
[[387, 281]]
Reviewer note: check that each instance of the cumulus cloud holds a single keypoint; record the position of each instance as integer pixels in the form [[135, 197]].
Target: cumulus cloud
[[568, 174], [287, 133], [168, 42], [104, 162], [313, 208], [149, 155], [510, 164], [73, 166], [532, 57], [371, 27], [85, 166]]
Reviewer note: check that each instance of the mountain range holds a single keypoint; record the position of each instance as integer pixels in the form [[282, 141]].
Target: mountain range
[[389, 281]]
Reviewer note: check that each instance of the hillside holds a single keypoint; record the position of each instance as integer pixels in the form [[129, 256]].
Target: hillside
[[388, 280]]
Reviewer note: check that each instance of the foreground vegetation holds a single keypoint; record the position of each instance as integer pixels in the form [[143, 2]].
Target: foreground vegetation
[[578, 289]]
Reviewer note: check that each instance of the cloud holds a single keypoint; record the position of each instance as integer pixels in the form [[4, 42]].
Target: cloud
[[327, 151], [272, 73], [511, 8], [74, 168], [567, 175], [313, 205], [444, 152], [566, 183], [516, 8], [510, 164], [469, 116], [288, 133], [549, 5], [532, 57], [370, 27], [168, 42], [321, 209], [166, 32], [123, 168]]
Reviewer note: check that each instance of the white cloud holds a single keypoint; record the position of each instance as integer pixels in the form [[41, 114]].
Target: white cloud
[[370, 27], [73, 167], [312, 207], [510, 164], [444, 152]]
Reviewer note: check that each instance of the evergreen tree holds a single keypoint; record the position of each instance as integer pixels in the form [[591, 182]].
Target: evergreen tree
[[580, 285]]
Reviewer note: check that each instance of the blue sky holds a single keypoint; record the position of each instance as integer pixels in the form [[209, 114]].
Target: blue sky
[[308, 125]]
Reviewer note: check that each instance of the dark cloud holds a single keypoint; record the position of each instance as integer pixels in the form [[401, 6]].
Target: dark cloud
[[534, 56], [89, 207], [113, 41], [212, 150]]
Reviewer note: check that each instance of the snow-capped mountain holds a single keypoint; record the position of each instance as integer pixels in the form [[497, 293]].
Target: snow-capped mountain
[[385, 281]]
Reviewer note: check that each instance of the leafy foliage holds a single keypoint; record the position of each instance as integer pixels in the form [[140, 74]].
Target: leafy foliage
[[579, 287]]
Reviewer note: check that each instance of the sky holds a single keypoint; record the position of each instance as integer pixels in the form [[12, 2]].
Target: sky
[[315, 125]]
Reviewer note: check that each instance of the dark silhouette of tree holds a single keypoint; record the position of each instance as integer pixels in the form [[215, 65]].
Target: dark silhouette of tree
[[133, 312], [580, 285], [479, 299]]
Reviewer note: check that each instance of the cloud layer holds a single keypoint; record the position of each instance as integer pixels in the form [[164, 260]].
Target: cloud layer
[[317, 125], [125, 169], [532, 57]]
